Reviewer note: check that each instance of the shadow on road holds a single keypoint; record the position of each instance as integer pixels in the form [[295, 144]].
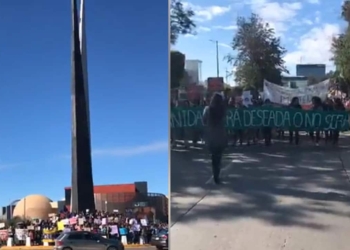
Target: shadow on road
[[283, 185]]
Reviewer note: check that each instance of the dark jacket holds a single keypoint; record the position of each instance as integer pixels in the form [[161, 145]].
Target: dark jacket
[[297, 106], [215, 134], [339, 107]]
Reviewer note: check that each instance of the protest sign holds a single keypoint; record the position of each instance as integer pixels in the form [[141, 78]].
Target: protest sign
[[81, 221], [2, 225], [21, 234], [104, 221], [246, 98], [60, 225], [144, 222], [283, 95], [114, 230], [265, 117], [73, 221], [4, 234], [193, 92], [215, 84]]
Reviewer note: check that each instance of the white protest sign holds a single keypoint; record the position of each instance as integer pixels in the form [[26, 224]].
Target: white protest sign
[[284, 95], [21, 234], [104, 221], [246, 98], [144, 222], [2, 225], [81, 221], [132, 221], [65, 221]]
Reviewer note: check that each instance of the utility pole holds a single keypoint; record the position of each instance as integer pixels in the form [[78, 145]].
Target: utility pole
[[217, 57]]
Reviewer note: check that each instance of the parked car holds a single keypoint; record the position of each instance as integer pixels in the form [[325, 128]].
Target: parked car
[[81, 240], [160, 240]]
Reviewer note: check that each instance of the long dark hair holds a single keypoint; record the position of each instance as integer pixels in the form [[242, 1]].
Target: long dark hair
[[217, 109]]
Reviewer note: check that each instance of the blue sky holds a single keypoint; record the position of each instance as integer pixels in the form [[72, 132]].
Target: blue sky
[[306, 28], [128, 77]]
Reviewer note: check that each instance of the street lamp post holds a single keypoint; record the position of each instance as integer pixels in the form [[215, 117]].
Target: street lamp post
[[217, 57]]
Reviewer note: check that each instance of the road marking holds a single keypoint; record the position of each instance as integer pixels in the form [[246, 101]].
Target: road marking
[[222, 172]]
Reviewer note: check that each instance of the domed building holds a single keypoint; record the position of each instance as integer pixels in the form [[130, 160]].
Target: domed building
[[33, 206]]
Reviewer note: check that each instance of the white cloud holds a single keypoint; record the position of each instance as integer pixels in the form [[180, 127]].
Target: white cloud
[[225, 45], [207, 13], [314, 46], [132, 151], [229, 27], [278, 15], [317, 17], [190, 36], [203, 29], [314, 1], [307, 21]]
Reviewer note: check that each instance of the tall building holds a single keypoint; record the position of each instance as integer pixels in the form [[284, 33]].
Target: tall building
[[194, 70], [6, 213], [317, 71]]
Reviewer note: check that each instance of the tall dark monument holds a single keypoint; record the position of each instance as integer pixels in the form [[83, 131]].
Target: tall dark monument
[[82, 192]]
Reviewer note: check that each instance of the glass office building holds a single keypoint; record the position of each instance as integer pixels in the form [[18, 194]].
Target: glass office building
[[317, 71]]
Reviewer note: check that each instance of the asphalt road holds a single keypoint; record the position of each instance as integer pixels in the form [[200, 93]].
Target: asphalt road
[[285, 197]]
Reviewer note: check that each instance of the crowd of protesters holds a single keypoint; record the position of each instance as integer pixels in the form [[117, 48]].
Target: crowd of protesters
[[251, 136], [107, 224], [217, 136]]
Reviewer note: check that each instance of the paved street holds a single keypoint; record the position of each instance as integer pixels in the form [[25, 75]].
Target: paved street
[[283, 197]]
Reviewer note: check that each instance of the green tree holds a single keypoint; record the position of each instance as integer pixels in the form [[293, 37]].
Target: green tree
[[341, 51], [181, 21], [259, 54], [13, 221], [177, 68]]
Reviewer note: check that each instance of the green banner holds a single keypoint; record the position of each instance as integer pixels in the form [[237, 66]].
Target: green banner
[[257, 117]]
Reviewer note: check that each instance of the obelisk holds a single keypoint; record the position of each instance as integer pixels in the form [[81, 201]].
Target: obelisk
[[82, 190]]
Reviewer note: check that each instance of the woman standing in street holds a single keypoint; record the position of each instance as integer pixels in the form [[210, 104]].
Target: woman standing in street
[[214, 118]]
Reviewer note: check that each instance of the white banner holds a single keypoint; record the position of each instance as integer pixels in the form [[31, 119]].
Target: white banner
[[283, 95]]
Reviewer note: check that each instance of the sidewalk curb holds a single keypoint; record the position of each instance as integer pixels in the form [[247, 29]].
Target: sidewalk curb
[[51, 247]]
